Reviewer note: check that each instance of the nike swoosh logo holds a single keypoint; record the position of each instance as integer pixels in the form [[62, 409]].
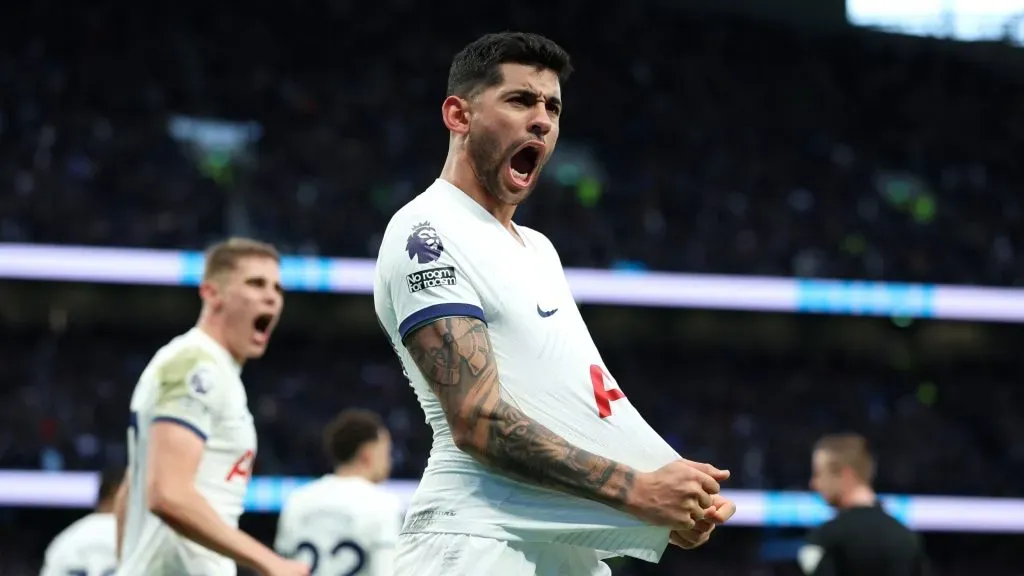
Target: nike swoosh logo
[[545, 313]]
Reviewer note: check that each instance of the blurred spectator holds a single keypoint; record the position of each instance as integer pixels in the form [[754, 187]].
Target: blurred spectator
[[755, 413], [693, 144], [688, 144]]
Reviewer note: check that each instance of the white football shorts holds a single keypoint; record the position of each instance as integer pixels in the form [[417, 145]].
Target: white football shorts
[[429, 554]]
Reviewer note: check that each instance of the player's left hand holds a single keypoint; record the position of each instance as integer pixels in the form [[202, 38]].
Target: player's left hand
[[720, 511]]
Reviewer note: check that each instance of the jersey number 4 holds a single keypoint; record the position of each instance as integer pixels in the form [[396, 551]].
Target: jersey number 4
[[603, 396]]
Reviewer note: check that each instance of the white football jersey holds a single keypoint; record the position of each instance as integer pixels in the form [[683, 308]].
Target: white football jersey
[[444, 255], [341, 526], [88, 547], [192, 381]]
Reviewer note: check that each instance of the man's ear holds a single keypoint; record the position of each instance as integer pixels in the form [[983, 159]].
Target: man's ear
[[455, 114], [209, 292]]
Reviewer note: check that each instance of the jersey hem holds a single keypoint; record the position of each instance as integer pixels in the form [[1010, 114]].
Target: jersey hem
[[436, 312], [643, 548]]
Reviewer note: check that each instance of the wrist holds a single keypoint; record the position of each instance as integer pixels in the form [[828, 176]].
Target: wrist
[[636, 497], [623, 487], [262, 558]]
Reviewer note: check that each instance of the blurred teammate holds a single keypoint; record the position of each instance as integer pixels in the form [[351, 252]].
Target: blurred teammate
[[88, 546], [191, 442], [344, 523], [862, 538], [539, 464]]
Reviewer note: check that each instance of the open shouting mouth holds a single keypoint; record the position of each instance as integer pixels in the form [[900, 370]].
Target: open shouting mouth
[[524, 163], [261, 328]]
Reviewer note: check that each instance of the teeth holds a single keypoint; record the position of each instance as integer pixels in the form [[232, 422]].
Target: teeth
[[519, 174]]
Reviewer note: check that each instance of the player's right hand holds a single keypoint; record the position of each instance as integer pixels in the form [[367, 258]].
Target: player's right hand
[[284, 567], [677, 494]]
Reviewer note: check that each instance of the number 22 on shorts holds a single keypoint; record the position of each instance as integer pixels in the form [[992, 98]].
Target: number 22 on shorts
[[603, 396]]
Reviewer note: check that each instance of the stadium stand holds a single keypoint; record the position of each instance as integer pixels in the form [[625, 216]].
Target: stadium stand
[[696, 145], [699, 144], [70, 391]]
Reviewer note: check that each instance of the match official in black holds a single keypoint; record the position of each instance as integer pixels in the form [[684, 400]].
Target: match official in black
[[862, 539]]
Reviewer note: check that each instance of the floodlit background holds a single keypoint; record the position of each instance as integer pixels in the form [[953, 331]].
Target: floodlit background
[[777, 224]]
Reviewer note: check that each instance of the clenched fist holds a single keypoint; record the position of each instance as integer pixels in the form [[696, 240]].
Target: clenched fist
[[720, 511], [677, 494]]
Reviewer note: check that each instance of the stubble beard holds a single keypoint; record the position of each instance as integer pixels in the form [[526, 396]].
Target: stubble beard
[[488, 160]]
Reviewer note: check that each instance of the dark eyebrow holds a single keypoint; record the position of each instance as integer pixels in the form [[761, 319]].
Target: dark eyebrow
[[534, 95]]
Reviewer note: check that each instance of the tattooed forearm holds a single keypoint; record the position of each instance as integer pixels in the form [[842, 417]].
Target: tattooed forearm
[[454, 355]]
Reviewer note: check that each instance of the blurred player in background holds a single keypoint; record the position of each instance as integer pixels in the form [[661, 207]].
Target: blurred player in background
[[191, 442], [862, 538], [88, 546], [540, 465], [343, 523]]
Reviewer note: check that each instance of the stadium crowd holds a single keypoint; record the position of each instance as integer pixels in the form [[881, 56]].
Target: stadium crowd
[[944, 430], [699, 145], [755, 413], [696, 145]]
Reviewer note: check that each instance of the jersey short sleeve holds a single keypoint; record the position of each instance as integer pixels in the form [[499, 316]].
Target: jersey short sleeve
[[427, 276], [54, 563], [189, 392], [85, 548], [63, 561], [813, 556]]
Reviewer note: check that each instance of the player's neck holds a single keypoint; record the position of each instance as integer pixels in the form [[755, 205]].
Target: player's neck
[[353, 471], [458, 171], [860, 497], [217, 332], [104, 507]]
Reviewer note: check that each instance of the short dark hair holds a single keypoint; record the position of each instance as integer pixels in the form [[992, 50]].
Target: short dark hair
[[852, 450], [348, 432], [110, 481], [478, 66]]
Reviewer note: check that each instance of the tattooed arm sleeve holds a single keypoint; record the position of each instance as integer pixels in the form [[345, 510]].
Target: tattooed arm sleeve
[[454, 355]]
